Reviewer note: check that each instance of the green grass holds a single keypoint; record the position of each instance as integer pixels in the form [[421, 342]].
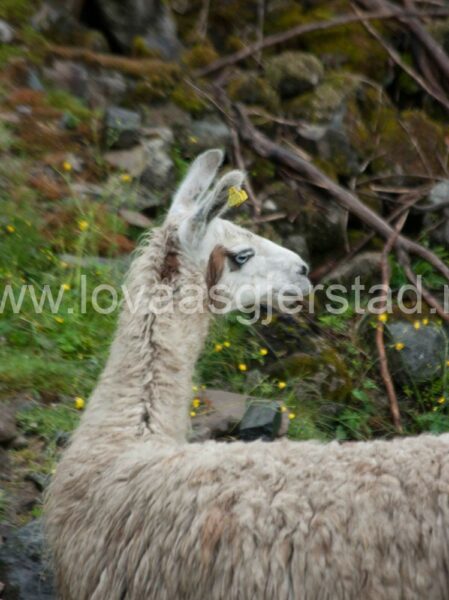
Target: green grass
[[49, 421]]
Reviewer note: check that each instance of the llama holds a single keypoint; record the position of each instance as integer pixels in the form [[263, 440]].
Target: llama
[[135, 512]]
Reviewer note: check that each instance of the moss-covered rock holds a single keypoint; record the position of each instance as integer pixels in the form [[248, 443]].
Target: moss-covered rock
[[199, 56], [188, 99], [325, 375], [254, 90], [321, 104], [292, 73]]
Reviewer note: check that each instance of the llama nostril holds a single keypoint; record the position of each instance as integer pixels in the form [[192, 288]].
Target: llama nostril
[[303, 270]]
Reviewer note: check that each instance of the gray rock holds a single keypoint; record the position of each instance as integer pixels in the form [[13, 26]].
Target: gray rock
[[105, 85], [421, 359], [23, 570], [124, 20], [6, 32], [225, 412], [8, 429], [159, 168], [204, 134], [121, 128], [133, 161], [439, 194], [69, 76], [366, 266], [95, 87], [292, 73], [262, 420]]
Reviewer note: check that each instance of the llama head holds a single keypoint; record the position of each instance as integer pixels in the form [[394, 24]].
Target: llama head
[[241, 268]]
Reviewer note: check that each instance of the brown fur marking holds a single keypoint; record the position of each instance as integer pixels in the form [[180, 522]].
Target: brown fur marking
[[215, 266], [170, 266]]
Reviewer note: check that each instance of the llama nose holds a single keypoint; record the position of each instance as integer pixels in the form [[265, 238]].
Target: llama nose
[[303, 270]]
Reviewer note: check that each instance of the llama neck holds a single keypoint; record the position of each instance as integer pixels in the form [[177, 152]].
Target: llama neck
[[146, 386]]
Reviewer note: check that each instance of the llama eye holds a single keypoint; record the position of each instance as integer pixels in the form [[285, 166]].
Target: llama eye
[[242, 257]]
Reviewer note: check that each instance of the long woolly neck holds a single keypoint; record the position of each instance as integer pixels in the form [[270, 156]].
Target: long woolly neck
[[146, 386]]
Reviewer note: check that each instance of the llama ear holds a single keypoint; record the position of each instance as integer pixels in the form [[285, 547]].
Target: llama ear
[[217, 202], [193, 229], [197, 181]]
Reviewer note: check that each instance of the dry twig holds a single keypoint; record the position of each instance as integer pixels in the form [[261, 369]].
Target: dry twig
[[383, 360]]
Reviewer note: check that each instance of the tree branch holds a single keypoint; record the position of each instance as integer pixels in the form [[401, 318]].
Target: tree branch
[[285, 36]]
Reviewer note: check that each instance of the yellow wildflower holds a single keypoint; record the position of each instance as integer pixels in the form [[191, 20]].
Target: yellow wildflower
[[425, 321], [67, 166], [79, 403], [291, 416], [65, 287], [59, 320], [83, 225], [64, 265], [263, 351], [441, 400], [282, 385], [196, 402], [383, 318], [417, 325], [125, 178], [192, 413], [447, 363], [283, 409], [236, 196], [10, 228], [243, 367], [399, 346], [227, 344], [194, 388], [218, 347]]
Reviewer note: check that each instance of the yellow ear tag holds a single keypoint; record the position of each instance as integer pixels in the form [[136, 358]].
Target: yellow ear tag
[[236, 196]]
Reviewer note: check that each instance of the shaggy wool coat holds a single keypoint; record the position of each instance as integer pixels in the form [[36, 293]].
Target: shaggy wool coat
[[135, 512]]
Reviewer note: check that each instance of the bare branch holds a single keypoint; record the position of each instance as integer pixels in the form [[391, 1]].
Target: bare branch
[[284, 36]]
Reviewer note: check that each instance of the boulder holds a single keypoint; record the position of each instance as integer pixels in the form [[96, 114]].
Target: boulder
[[23, 570], [293, 73], [422, 357], [224, 414], [439, 194], [252, 89], [262, 420], [95, 87], [121, 128]]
